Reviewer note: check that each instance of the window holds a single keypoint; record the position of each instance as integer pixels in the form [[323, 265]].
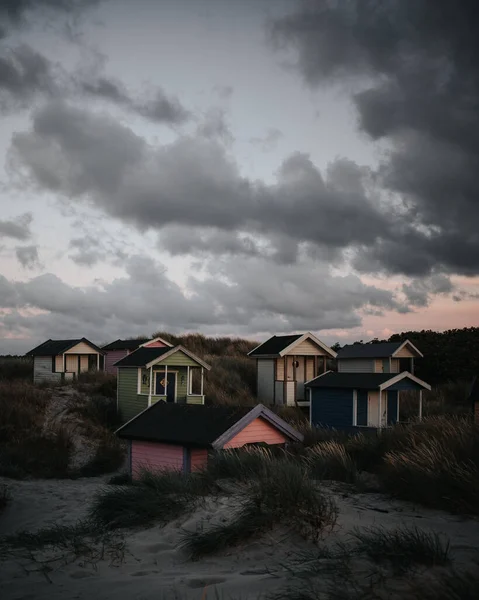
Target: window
[[296, 364]]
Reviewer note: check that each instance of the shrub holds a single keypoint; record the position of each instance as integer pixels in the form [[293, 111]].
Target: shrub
[[155, 497], [109, 456], [97, 383], [402, 548], [283, 494], [330, 460], [97, 410], [15, 368], [42, 454], [22, 408]]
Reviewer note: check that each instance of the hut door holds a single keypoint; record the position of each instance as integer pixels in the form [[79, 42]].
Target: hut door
[[373, 409], [170, 388]]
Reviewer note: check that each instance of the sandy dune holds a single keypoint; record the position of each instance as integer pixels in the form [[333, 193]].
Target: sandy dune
[[154, 567]]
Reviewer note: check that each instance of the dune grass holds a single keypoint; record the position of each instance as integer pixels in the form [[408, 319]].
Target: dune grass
[[283, 494], [241, 464], [331, 460], [64, 544], [403, 548], [154, 498]]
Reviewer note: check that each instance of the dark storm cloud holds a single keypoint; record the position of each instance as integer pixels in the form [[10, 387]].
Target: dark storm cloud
[[416, 63], [194, 182], [18, 228], [27, 256], [16, 12]]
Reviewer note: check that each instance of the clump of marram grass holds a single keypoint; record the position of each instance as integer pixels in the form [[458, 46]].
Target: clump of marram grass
[[123, 478], [241, 464], [109, 456], [402, 548], [331, 460], [284, 494], [63, 544], [154, 497]]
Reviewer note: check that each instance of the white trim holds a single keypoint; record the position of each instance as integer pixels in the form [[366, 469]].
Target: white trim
[[188, 381], [179, 349], [397, 407], [310, 407], [157, 339], [202, 381], [411, 345], [317, 377], [420, 405], [355, 408], [404, 375], [166, 388], [380, 412], [150, 386], [138, 382]]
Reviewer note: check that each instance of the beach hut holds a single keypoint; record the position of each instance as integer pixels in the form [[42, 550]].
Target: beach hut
[[169, 436]]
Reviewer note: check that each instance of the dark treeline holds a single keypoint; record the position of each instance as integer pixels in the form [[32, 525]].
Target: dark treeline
[[451, 355]]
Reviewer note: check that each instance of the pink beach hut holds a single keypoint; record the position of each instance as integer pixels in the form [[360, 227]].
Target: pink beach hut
[[180, 437]]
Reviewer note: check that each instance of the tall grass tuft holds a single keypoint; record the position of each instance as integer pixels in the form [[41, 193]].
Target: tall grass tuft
[[402, 548], [331, 460], [109, 456], [154, 497], [241, 464], [16, 368], [284, 494]]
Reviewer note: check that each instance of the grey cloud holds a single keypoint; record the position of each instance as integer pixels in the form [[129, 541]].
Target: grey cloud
[[269, 141], [193, 182], [214, 126], [14, 12], [243, 294], [418, 292], [92, 249], [27, 256], [417, 81], [224, 91], [18, 228], [24, 75], [27, 75]]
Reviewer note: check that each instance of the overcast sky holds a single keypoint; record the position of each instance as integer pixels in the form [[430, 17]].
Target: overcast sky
[[240, 168]]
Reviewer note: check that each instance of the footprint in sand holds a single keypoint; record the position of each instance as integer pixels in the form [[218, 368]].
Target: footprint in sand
[[143, 573], [201, 583]]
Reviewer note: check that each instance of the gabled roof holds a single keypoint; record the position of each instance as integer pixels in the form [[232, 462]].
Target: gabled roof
[[147, 357], [198, 425], [362, 381], [125, 344], [379, 350], [55, 347], [157, 339], [279, 345]]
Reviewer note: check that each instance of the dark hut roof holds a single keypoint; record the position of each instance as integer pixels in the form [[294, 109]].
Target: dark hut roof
[[55, 347]]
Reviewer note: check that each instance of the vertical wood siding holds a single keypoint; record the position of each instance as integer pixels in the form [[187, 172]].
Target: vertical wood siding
[[290, 393], [199, 459], [83, 364], [404, 353], [309, 368], [356, 365], [395, 365], [71, 364], [111, 357], [265, 381], [155, 457], [59, 363], [279, 393], [378, 366], [332, 407], [256, 432], [307, 348], [42, 370], [129, 403], [373, 408], [279, 369], [81, 348]]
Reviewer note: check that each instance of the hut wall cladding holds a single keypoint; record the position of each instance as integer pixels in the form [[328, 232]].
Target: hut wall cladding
[[155, 345], [111, 358], [155, 457], [199, 459], [81, 348], [307, 347], [256, 432], [59, 363], [42, 370]]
